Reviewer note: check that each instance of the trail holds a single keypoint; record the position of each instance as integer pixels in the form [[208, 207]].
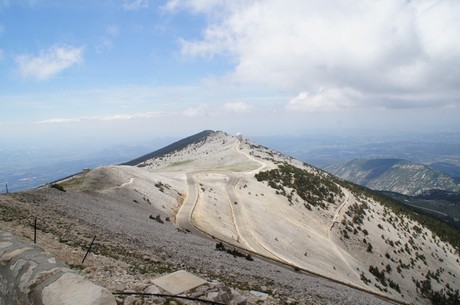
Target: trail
[[184, 217], [238, 215], [131, 180], [337, 250], [339, 209], [185, 213]]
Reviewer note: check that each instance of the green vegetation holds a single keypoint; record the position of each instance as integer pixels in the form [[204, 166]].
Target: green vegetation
[[365, 279], [446, 295], [440, 204], [161, 186], [221, 247], [76, 180], [316, 189], [58, 187], [379, 275], [157, 218], [443, 230], [179, 163]]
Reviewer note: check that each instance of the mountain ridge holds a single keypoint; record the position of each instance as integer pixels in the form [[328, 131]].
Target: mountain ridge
[[395, 175], [171, 148], [249, 196]]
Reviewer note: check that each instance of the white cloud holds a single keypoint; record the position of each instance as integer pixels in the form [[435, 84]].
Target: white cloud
[[198, 110], [60, 121], [398, 47], [326, 99], [194, 5], [49, 62], [237, 106], [103, 45], [216, 111], [114, 117], [131, 5]]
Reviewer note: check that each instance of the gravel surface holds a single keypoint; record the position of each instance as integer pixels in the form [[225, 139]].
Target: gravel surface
[[118, 223]]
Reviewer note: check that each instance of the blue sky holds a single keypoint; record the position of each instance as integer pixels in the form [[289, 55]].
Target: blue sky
[[120, 71]]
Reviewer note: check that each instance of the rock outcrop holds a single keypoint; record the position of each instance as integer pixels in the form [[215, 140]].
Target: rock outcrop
[[30, 276]]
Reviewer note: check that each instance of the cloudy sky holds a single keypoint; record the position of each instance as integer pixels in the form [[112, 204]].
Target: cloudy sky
[[124, 70]]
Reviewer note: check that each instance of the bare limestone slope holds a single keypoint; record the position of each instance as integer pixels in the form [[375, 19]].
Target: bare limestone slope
[[285, 214]]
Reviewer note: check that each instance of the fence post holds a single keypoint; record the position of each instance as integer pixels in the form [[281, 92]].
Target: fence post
[[35, 230], [89, 248]]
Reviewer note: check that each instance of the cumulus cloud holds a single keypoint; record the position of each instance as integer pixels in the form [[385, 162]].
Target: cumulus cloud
[[326, 99], [398, 47], [132, 5], [115, 117], [237, 106], [49, 62]]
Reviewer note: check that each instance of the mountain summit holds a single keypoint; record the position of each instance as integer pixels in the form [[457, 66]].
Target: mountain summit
[[274, 208]]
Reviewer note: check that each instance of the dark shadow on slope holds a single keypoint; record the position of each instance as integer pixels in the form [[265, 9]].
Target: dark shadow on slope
[[171, 148]]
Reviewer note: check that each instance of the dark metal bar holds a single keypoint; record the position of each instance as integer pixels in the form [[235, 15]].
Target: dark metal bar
[[167, 296], [89, 249]]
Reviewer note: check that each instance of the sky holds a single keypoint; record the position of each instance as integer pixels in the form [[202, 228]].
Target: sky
[[124, 71]]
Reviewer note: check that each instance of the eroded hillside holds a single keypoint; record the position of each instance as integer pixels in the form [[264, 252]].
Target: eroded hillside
[[228, 189]]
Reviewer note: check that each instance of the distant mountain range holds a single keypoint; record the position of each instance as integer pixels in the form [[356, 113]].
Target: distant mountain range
[[448, 168], [395, 175]]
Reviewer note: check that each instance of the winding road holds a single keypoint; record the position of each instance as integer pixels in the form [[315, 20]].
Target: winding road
[[245, 239]]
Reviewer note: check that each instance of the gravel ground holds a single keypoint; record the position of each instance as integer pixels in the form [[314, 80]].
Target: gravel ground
[[125, 227]]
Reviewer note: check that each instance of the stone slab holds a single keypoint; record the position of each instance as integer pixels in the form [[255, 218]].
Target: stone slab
[[73, 289], [178, 282]]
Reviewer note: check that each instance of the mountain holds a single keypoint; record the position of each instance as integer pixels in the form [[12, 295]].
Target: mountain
[[395, 175], [450, 169], [296, 225]]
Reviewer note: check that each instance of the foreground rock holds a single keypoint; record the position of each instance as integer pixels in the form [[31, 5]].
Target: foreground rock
[[29, 276]]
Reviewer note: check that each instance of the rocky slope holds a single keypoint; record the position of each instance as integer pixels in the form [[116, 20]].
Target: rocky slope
[[293, 230], [395, 175]]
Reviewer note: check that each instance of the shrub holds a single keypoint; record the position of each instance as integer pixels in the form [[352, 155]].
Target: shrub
[[369, 247], [58, 187], [157, 218], [314, 188]]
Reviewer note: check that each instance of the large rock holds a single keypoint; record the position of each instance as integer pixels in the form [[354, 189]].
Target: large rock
[[72, 289], [30, 276]]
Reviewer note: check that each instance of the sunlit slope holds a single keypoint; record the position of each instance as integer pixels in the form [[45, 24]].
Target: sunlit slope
[[257, 199]]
